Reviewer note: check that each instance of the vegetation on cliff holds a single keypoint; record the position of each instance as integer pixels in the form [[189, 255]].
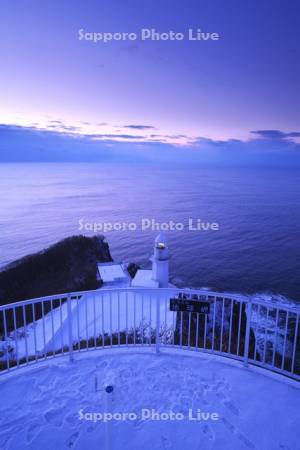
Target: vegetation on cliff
[[69, 265]]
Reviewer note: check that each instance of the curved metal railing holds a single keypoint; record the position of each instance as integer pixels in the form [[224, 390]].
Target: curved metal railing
[[255, 332]]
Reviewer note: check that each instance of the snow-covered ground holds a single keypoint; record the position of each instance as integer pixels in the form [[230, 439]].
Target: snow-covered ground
[[41, 405]]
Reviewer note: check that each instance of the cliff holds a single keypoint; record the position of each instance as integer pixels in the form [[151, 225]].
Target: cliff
[[69, 265]]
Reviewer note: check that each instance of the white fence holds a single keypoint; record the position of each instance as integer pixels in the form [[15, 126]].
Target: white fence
[[254, 332]]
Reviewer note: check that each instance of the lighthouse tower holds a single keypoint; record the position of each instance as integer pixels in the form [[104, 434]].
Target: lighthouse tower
[[160, 261]]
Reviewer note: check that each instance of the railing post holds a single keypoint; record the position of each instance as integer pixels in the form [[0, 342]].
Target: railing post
[[157, 340], [247, 335], [70, 332]]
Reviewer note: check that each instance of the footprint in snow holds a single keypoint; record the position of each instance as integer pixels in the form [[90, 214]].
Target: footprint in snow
[[185, 403], [54, 417], [228, 403], [138, 423], [72, 420], [13, 425], [4, 442], [74, 379], [32, 432], [229, 425], [231, 406], [205, 402], [245, 441], [166, 443], [239, 435], [206, 429], [221, 395], [102, 365], [91, 428], [71, 441]]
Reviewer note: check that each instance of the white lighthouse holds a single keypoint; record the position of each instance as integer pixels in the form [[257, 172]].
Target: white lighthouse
[[158, 276], [160, 261]]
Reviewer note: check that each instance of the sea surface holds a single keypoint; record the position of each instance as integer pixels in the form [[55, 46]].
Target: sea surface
[[256, 248]]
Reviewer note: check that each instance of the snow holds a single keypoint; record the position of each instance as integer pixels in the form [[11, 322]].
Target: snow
[[41, 404], [92, 315], [107, 311], [143, 278], [113, 273]]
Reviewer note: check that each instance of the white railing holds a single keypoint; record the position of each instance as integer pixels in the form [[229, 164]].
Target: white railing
[[254, 332]]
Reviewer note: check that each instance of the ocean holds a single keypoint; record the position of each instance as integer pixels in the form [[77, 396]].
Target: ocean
[[248, 239]]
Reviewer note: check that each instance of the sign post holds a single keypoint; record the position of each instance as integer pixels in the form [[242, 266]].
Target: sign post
[[189, 305]]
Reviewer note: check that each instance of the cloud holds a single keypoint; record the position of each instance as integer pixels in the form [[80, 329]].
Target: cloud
[[139, 127], [30, 144], [116, 136], [56, 122], [27, 144], [178, 136], [276, 134], [62, 127]]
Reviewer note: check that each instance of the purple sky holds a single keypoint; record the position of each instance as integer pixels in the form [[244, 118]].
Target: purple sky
[[160, 91]]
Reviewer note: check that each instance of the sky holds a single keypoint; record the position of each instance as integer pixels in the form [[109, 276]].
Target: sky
[[209, 99]]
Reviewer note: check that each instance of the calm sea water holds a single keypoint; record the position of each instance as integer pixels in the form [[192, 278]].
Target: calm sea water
[[255, 250]]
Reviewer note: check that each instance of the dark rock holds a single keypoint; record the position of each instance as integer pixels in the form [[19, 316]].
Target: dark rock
[[132, 269]]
